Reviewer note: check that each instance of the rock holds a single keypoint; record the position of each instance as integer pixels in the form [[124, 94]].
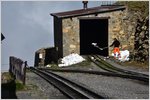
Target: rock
[[141, 38], [72, 46]]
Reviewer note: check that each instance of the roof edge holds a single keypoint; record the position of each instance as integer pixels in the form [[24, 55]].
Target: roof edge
[[120, 7]]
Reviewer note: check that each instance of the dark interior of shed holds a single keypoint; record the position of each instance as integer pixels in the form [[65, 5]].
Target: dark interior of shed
[[93, 30]]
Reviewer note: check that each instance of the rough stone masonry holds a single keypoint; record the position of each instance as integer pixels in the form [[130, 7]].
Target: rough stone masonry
[[119, 26]]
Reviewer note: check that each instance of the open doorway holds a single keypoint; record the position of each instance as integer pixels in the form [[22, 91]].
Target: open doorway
[[93, 30]]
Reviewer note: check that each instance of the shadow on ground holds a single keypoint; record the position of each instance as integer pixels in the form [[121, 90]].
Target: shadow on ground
[[8, 90]]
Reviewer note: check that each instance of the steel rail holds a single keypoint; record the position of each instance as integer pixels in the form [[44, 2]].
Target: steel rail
[[113, 70], [106, 66], [71, 89], [102, 66], [97, 73], [119, 69]]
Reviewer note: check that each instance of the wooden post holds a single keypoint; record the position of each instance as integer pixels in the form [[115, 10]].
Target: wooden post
[[10, 65], [24, 71]]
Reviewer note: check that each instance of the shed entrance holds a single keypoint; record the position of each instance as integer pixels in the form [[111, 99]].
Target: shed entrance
[[93, 30]]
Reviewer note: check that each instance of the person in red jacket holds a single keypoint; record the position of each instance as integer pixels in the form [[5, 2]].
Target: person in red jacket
[[116, 50]]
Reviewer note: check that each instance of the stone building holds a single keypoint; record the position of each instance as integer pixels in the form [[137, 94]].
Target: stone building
[[74, 31], [45, 56]]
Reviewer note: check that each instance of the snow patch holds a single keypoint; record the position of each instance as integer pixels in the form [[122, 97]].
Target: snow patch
[[124, 55], [71, 59]]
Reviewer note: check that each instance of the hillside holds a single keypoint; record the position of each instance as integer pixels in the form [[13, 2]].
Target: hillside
[[138, 12], [137, 6]]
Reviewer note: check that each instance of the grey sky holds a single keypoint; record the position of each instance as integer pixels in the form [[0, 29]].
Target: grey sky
[[28, 26]]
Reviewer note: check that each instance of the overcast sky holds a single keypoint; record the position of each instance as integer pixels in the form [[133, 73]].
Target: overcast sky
[[28, 26]]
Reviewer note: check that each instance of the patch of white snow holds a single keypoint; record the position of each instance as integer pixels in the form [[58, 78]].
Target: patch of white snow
[[71, 59]]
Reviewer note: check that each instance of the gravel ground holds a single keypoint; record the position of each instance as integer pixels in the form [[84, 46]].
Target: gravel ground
[[38, 88], [113, 62], [91, 67], [131, 68], [111, 87]]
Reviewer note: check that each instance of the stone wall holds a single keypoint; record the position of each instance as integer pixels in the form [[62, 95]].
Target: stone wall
[[45, 56], [141, 46], [71, 39], [121, 26]]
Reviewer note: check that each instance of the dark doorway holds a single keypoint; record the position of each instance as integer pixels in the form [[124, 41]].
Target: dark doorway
[[93, 30]]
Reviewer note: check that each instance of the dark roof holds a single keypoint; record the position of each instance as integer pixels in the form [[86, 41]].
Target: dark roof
[[93, 18], [44, 48], [88, 11]]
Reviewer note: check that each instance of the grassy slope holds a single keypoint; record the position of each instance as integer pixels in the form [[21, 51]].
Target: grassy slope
[[141, 6]]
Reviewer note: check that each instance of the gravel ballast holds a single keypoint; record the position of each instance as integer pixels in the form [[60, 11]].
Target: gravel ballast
[[107, 86], [111, 87], [38, 88]]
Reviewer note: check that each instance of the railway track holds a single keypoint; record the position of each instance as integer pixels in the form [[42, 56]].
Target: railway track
[[110, 68], [67, 87], [99, 73], [119, 69]]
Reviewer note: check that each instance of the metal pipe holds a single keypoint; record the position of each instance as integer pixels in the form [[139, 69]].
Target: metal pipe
[[85, 4]]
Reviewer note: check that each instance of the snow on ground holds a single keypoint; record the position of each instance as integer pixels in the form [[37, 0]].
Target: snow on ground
[[71, 59], [124, 55]]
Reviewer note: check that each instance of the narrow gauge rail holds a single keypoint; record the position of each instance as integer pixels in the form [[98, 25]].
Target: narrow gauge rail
[[119, 69], [108, 67], [69, 88], [99, 73]]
